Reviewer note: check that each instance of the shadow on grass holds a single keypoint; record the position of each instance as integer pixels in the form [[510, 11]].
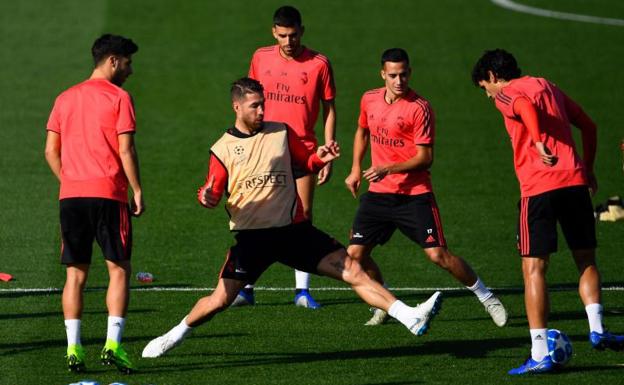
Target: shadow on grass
[[458, 349], [59, 314], [25, 347]]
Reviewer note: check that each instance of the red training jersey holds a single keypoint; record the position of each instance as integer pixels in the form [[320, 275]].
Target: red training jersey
[[89, 117], [293, 89], [395, 131], [554, 109]]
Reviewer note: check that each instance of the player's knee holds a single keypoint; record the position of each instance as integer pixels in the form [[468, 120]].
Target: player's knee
[[353, 270], [356, 253], [439, 256], [216, 302], [534, 267]]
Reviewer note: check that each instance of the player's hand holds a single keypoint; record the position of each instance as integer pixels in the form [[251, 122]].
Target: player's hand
[[547, 158], [206, 197], [353, 182], [328, 152], [137, 205], [324, 174], [375, 173], [593, 182]]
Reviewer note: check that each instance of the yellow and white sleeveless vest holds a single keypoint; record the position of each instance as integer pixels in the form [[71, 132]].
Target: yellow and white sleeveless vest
[[261, 189]]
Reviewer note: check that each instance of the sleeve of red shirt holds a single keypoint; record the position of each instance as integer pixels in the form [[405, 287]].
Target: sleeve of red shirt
[[301, 156], [523, 108], [424, 125], [126, 120], [54, 123], [580, 119], [362, 119], [217, 170], [327, 82]]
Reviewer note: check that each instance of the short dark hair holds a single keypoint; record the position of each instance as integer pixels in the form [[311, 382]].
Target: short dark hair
[[394, 55], [287, 16], [244, 86], [500, 62], [108, 44]]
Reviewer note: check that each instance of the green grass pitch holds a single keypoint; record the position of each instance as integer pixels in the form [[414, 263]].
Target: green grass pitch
[[189, 53]]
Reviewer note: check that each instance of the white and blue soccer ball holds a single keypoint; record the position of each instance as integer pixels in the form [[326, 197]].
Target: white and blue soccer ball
[[559, 347]]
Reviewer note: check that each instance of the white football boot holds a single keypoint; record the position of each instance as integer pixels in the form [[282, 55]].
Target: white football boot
[[379, 317], [160, 345], [496, 310], [424, 313]]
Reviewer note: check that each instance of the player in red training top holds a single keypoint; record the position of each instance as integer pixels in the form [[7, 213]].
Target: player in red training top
[[252, 163], [554, 184], [399, 125], [297, 81], [90, 149]]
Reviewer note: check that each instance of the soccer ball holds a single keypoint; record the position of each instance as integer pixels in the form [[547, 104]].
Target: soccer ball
[[559, 347]]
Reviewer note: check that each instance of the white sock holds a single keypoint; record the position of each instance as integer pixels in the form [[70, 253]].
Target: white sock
[[479, 289], [72, 329], [539, 345], [594, 316], [115, 328], [402, 313], [181, 330], [302, 280], [249, 287]]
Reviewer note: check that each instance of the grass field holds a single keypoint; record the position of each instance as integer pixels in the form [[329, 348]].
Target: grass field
[[189, 53]]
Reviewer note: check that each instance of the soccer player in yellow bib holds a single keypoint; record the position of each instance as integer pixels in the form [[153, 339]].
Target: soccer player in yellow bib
[[253, 161]]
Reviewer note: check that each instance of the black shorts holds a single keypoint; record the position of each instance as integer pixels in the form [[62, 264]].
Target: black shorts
[[416, 216], [301, 246], [539, 214], [85, 219]]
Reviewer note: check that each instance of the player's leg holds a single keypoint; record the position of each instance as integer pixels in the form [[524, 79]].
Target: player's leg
[[77, 241], [245, 262], [340, 266], [203, 310], [72, 301], [590, 293], [305, 190], [362, 253], [418, 217], [321, 254], [462, 272], [114, 235], [575, 213], [537, 239], [372, 226]]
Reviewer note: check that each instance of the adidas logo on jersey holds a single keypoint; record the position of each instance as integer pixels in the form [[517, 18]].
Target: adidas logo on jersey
[[430, 239]]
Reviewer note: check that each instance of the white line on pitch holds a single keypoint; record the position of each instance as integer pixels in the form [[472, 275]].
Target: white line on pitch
[[261, 288], [512, 5]]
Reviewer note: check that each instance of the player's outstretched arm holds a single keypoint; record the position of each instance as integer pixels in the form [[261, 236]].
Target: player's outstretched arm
[[130, 163], [303, 157], [360, 145], [53, 153]]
